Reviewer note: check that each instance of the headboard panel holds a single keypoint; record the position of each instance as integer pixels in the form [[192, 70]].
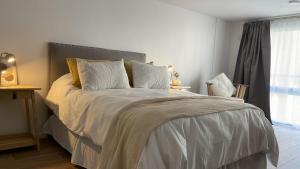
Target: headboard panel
[[59, 52]]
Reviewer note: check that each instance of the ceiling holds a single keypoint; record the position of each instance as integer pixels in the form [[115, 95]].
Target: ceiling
[[235, 10]]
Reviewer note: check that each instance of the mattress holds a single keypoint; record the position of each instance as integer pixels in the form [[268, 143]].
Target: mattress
[[86, 154]]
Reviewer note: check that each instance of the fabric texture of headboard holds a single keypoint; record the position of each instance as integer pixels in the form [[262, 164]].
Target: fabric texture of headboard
[[59, 52]]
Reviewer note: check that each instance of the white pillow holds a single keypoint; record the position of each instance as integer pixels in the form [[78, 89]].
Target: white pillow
[[149, 76], [222, 86], [58, 90], [58, 86], [102, 75]]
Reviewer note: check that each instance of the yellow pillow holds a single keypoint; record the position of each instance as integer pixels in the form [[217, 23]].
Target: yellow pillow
[[128, 68], [72, 64]]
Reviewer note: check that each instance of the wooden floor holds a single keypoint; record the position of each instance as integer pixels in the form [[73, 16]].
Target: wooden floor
[[52, 156]]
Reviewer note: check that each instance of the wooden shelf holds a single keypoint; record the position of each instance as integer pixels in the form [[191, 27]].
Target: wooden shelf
[[16, 141]]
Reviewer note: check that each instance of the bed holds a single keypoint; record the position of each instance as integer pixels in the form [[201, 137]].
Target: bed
[[236, 138]]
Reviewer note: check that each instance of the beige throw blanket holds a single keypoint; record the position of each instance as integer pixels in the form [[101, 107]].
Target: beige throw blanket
[[131, 128]]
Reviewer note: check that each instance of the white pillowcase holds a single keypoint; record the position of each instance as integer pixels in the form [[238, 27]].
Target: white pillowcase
[[102, 75], [58, 87], [149, 76], [222, 86]]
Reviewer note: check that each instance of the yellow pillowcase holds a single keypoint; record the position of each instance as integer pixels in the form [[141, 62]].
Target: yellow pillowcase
[[72, 64], [128, 68]]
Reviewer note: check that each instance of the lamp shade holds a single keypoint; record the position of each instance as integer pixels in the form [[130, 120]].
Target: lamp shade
[[8, 68]]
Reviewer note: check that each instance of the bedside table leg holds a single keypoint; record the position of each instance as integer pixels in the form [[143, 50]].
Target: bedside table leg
[[35, 121], [29, 120]]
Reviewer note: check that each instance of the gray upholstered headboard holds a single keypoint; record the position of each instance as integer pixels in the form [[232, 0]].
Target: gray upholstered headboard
[[59, 52]]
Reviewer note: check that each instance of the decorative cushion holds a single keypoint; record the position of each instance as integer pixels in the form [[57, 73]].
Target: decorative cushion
[[149, 76], [102, 75], [128, 67], [222, 86], [73, 68]]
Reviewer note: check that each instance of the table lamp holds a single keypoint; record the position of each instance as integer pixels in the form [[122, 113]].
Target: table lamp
[[8, 69]]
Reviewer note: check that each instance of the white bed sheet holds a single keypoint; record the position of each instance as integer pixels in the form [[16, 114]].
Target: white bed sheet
[[209, 138], [84, 152]]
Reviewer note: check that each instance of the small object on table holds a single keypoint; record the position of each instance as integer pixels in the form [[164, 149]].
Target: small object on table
[[181, 88], [176, 82], [25, 93]]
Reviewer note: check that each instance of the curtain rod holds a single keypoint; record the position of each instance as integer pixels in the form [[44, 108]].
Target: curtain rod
[[297, 15]]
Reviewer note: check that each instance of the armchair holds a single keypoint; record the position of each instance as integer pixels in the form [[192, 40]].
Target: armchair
[[239, 93]]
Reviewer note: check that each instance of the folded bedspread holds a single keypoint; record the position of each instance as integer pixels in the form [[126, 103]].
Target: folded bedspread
[[133, 125], [184, 130]]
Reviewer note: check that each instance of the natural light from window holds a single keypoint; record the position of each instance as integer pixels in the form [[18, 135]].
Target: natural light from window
[[285, 71]]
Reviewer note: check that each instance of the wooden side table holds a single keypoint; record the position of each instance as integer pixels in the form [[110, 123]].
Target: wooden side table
[[25, 93]]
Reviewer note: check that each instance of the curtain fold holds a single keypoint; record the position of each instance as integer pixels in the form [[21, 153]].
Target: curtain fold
[[253, 64]]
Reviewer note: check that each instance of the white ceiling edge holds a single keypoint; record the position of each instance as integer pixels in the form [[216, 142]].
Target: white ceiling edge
[[238, 10]]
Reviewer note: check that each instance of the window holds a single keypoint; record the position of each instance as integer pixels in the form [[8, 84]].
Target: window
[[285, 71]]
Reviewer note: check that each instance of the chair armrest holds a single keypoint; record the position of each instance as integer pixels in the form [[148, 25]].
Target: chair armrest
[[240, 90], [238, 84], [209, 89]]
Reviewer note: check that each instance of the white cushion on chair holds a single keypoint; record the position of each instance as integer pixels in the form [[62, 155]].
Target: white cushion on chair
[[222, 86]]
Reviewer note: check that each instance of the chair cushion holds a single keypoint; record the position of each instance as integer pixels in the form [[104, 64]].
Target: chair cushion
[[222, 86]]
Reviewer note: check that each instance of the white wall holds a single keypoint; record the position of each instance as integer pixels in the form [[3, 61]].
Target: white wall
[[167, 34], [236, 32], [222, 48]]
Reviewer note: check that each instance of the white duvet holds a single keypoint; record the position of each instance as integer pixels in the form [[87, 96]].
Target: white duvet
[[193, 143]]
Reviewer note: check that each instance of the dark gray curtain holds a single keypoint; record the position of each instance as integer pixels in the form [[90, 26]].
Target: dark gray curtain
[[253, 64]]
